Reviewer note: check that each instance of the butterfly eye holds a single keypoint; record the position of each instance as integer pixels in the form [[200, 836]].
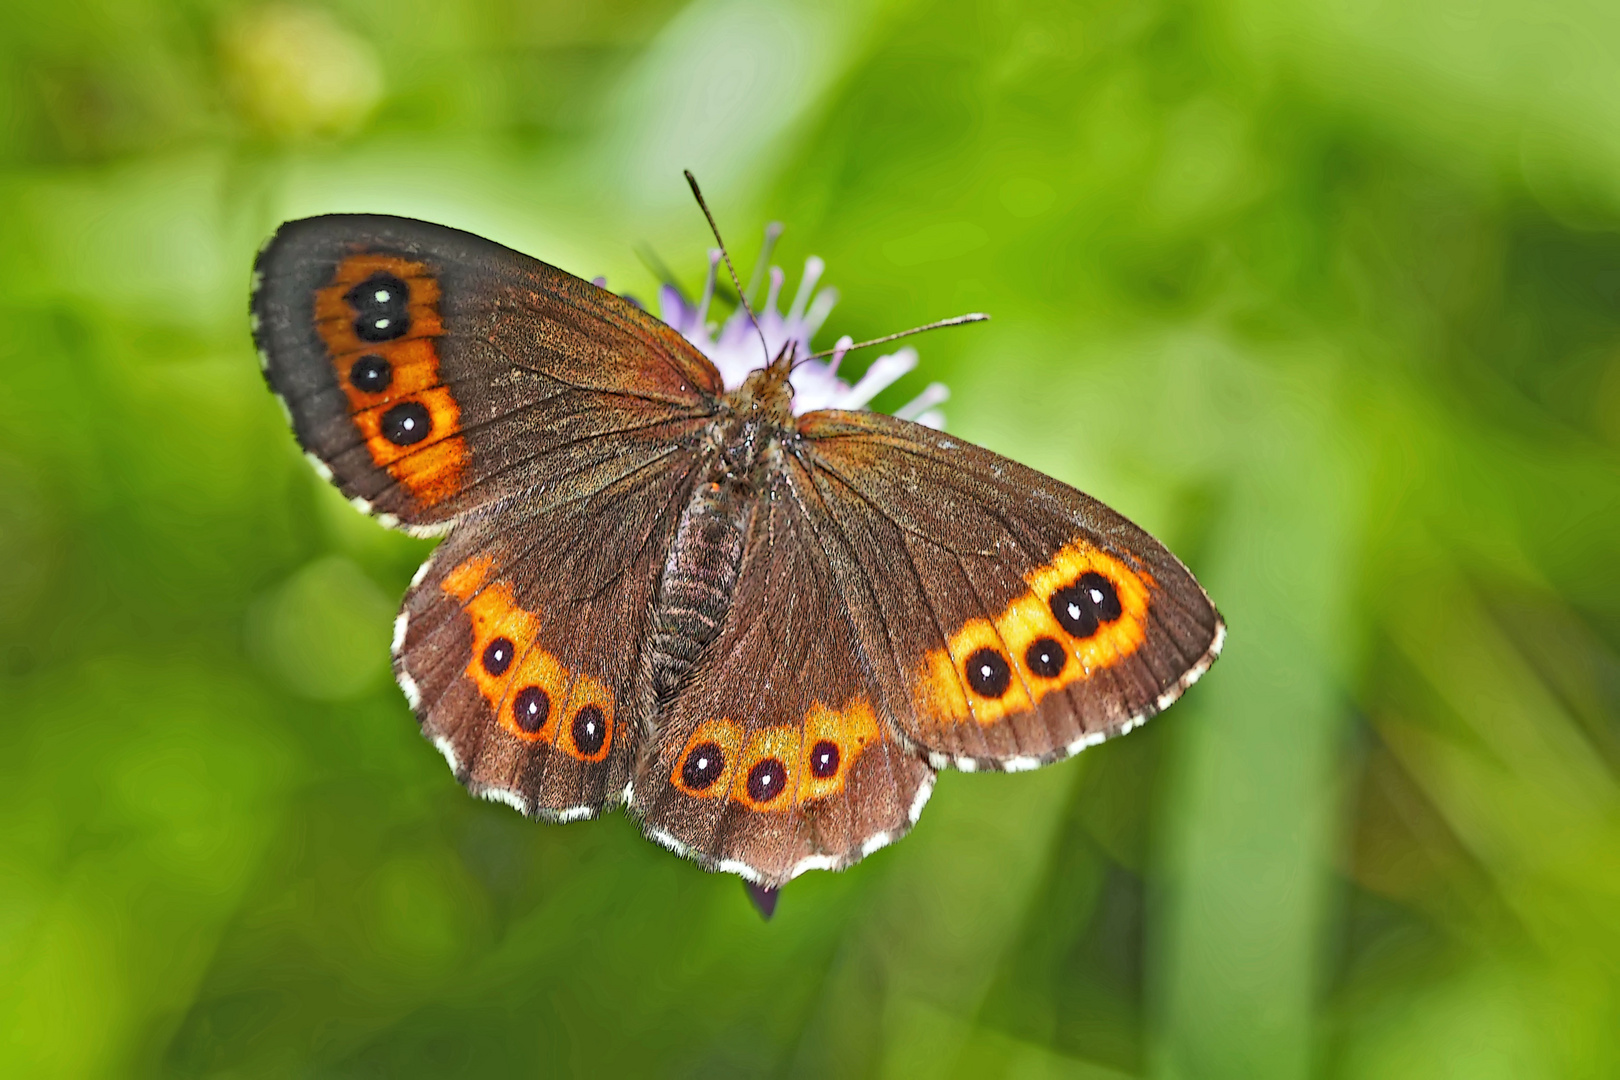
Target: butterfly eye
[[703, 767], [530, 708], [988, 673]]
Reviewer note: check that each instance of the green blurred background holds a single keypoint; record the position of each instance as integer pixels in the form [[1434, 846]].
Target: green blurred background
[[1326, 294]]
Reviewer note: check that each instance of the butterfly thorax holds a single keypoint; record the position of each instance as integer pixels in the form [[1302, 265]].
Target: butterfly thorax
[[755, 418], [741, 461]]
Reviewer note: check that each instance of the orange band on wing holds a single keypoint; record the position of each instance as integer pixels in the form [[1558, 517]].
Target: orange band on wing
[[833, 739], [410, 420], [1084, 611], [708, 760], [768, 770], [780, 767], [533, 694]]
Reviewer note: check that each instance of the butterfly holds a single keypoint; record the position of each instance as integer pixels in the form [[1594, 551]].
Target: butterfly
[[761, 633]]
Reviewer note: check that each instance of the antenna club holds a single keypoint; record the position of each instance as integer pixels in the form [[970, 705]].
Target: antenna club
[[956, 320]]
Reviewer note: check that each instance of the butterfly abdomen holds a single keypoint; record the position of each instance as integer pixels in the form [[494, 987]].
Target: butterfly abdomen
[[695, 591]]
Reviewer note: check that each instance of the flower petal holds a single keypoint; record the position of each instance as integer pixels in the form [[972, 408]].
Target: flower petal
[[882, 374], [935, 393]]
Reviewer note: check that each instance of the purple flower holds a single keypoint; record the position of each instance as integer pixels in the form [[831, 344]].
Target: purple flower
[[734, 348]]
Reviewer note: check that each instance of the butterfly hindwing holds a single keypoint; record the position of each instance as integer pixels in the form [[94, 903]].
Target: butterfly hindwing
[[430, 372], [1012, 619], [779, 757], [519, 643]]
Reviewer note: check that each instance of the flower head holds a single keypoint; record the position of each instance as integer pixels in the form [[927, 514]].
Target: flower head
[[734, 348]]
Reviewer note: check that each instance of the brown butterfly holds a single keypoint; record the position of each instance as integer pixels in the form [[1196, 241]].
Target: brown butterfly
[[761, 632]]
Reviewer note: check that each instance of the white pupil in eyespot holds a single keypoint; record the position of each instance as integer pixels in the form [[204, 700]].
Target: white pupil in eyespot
[[703, 763], [383, 296], [1096, 595]]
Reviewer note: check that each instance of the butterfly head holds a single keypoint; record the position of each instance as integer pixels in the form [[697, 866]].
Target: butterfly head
[[757, 416], [766, 396]]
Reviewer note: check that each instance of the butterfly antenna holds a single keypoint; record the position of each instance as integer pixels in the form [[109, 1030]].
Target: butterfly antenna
[[955, 320], [697, 193]]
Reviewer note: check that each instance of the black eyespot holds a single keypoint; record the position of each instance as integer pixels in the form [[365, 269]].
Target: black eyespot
[[406, 423], [703, 767], [824, 759], [1073, 610], [590, 730], [1082, 607], [988, 673], [767, 780], [498, 656], [371, 373], [530, 708], [1104, 597], [375, 328], [1046, 658], [379, 302], [381, 291]]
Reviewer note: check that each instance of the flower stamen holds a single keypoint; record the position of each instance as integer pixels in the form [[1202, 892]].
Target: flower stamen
[[732, 345]]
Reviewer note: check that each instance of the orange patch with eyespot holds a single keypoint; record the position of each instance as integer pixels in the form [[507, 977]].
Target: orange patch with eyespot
[[429, 467], [849, 730], [585, 694], [808, 771], [534, 696], [1037, 650], [710, 777], [768, 769]]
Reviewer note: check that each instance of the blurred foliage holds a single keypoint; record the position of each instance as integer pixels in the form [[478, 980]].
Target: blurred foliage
[[1326, 295]]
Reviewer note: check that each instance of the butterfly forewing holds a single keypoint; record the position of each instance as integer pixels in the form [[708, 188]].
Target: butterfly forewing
[[432, 372], [1013, 619]]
